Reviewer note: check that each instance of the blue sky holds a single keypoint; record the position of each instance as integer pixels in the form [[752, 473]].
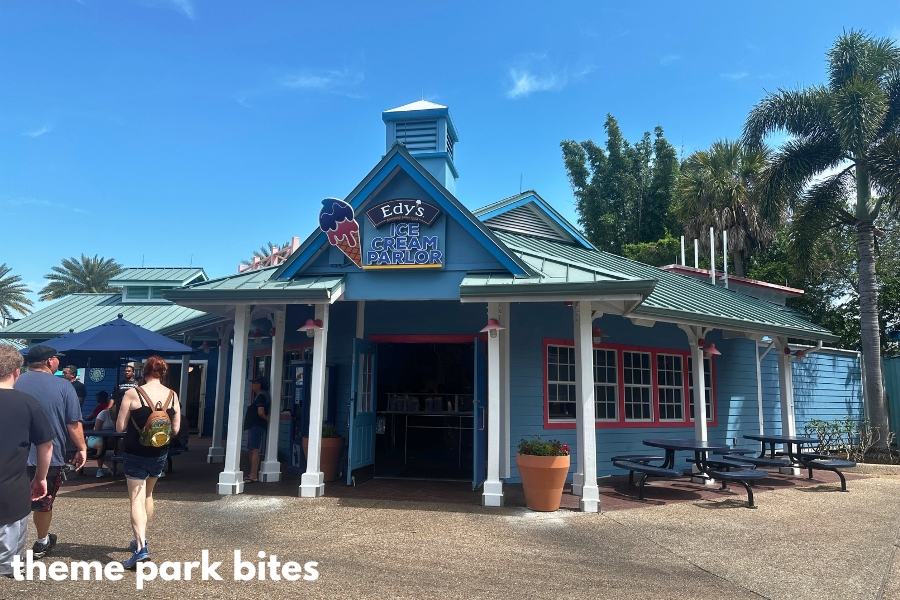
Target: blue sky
[[172, 132]]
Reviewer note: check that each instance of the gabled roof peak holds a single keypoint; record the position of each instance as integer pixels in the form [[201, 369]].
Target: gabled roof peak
[[529, 214], [417, 105]]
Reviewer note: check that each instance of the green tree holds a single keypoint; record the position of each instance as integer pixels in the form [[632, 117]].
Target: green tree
[[12, 295], [85, 276], [665, 251], [719, 188], [844, 142], [623, 192]]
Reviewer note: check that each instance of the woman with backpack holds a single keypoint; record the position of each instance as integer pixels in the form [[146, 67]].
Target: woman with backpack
[[150, 417]]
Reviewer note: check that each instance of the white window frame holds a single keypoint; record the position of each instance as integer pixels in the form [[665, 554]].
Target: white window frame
[[661, 387], [626, 386]]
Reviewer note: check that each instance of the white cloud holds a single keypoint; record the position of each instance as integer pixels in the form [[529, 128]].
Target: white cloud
[[329, 81], [525, 83], [39, 132], [185, 7], [34, 203], [733, 76], [535, 72], [669, 59]]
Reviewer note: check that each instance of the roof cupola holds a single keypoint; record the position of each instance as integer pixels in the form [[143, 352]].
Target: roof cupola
[[427, 131]]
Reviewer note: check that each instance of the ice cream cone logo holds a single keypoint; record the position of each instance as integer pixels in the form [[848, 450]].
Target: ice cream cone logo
[[337, 221]]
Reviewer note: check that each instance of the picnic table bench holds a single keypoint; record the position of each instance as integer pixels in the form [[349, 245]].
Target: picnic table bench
[[647, 469], [798, 458]]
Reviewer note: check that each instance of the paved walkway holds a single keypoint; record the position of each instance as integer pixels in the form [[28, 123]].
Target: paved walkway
[[378, 540]]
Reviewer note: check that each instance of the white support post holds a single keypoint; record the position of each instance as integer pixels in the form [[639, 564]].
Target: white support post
[[270, 469], [216, 451], [584, 375], [712, 256], [185, 431], [505, 447], [493, 487], [786, 389], [725, 256], [231, 479], [360, 319], [759, 392], [682, 252], [312, 483], [578, 475], [694, 335], [696, 253]]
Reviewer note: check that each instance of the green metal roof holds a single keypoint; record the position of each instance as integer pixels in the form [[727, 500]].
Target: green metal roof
[[258, 285], [83, 311], [676, 297], [156, 275]]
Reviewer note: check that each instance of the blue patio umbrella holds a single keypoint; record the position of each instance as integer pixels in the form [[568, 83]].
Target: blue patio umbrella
[[110, 341]]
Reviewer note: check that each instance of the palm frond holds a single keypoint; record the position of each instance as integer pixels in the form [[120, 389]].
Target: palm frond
[[798, 112], [791, 169], [884, 165], [12, 294], [858, 110], [821, 208], [856, 55], [89, 275]]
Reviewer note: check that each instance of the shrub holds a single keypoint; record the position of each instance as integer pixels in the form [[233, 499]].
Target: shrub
[[536, 447]]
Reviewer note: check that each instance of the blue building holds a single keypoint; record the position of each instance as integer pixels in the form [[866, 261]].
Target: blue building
[[436, 337]]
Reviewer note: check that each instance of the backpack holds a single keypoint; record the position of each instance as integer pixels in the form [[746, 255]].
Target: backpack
[[157, 431]]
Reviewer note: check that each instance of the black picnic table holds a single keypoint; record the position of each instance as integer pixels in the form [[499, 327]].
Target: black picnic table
[[800, 459], [700, 448]]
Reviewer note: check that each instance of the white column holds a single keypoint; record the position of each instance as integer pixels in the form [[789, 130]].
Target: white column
[[505, 448], [270, 469], [786, 389], [493, 487], [231, 479], [216, 451], [182, 392], [312, 483], [584, 374], [578, 475], [759, 392], [700, 432]]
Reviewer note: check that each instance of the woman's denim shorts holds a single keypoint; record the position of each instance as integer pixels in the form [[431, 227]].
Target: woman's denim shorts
[[142, 467]]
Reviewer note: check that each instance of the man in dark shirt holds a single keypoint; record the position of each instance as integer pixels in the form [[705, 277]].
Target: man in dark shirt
[[125, 385], [70, 373], [57, 397], [23, 424]]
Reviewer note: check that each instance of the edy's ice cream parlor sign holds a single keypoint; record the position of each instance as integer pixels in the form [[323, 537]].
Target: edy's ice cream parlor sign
[[403, 236]]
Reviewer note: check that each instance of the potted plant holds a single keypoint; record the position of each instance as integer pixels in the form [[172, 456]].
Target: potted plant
[[332, 450], [543, 467]]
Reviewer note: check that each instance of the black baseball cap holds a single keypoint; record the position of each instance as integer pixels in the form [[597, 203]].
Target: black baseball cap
[[260, 380], [41, 352]]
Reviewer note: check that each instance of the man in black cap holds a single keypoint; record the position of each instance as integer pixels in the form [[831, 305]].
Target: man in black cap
[[255, 422], [57, 397]]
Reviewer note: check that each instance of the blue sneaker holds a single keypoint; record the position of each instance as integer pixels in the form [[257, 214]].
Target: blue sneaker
[[138, 556], [132, 547]]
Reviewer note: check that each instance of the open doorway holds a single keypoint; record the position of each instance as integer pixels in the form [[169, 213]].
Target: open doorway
[[196, 382], [425, 411]]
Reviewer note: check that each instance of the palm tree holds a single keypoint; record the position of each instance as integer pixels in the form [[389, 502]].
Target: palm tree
[[87, 276], [844, 144], [263, 252], [719, 188], [12, 295]]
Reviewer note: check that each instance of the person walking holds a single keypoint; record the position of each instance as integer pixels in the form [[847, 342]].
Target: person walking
[[126, 384], [57, 397], [24, 424], [147, 436], [255, 422], [70, 374]]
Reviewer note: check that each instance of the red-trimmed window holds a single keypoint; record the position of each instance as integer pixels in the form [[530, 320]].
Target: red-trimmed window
[[561, 382], [633, 386], [606, 384], [670, 385], [637, 377]]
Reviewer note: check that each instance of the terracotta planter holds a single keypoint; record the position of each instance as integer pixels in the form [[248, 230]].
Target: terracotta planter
[[330, 460], [543, 478]]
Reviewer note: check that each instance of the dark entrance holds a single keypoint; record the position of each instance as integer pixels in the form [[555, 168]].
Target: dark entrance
[[192, 402], [424, 413]]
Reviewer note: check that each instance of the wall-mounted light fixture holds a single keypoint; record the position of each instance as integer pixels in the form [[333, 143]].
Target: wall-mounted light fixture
[[311, 326], [598, 335], [492, 327]]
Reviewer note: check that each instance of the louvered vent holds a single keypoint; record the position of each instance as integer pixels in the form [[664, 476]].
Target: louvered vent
[[526, 220], [418, 136]]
